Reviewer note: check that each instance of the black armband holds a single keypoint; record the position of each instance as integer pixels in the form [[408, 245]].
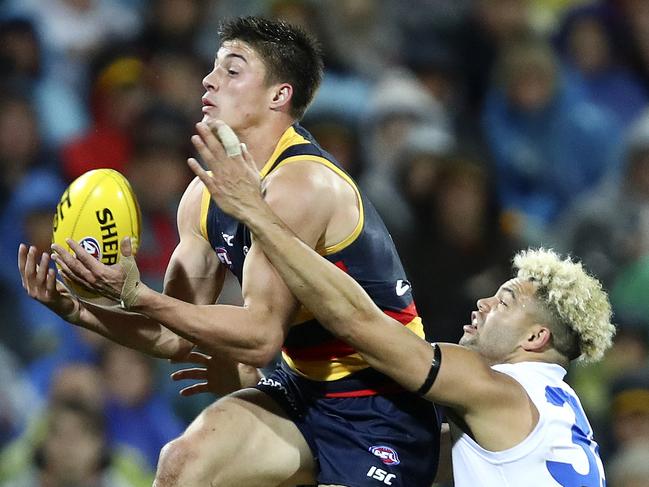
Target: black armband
[[432, 373]]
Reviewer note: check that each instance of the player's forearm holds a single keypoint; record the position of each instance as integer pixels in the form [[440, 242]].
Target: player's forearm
[[133, 331], [220, 330]]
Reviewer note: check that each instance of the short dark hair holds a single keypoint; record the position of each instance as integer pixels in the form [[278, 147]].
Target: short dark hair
[[289, 53]]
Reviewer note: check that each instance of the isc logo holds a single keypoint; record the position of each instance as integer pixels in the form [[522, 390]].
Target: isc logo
[[382, 475]]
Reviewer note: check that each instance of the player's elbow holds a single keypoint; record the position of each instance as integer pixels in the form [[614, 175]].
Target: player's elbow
[[263, 348], [261, 354], [177, 350]]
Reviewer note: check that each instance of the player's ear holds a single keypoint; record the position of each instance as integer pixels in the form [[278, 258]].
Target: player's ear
[[537, 338], [282, 95]]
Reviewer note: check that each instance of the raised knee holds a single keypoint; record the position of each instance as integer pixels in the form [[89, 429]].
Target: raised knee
[[175, 465]]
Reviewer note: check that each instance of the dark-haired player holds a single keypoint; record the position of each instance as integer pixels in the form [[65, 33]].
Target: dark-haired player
[[324, 415]]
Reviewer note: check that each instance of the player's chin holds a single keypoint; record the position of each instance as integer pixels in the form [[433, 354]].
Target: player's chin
[[468, 340]]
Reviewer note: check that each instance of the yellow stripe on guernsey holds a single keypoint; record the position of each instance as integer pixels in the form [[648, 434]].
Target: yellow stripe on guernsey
[[205, 206], [337, 368], [289, 138]]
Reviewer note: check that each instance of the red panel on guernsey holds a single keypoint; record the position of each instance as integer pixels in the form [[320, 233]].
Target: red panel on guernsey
[[337, 348], [404, 316]]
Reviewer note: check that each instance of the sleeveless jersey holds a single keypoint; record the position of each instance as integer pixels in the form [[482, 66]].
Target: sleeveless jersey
[[367, 254], [560, 451]]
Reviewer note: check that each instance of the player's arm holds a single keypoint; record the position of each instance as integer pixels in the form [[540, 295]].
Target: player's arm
[[131, 330], [192, 274], [461, 379], [253, 333], [195, 275]]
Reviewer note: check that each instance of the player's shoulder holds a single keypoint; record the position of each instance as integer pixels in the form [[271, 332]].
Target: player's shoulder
[[308, 175]]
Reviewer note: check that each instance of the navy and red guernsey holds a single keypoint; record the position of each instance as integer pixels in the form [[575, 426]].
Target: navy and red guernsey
[[367, 254]]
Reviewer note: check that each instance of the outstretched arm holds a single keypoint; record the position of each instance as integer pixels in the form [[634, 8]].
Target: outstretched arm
[[131, 330], [482, 397], [193, 274]]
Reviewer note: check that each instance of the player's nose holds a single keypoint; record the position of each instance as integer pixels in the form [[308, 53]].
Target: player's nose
[[483, 304], [210, 82]]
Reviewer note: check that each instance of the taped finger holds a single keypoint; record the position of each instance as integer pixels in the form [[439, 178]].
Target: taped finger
[[229, 140]]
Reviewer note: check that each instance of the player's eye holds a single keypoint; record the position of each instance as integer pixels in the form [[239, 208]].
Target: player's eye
[[500, 301]]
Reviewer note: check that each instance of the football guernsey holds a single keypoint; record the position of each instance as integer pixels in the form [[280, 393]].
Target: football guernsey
[[559, 452]]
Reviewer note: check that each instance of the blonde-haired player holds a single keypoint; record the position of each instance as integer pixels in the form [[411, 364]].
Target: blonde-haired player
[[513, 419]]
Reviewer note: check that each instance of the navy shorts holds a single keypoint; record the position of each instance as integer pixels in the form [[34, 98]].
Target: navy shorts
[[375, 440]]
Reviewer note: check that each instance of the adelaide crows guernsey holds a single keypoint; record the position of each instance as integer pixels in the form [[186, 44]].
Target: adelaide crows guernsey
[[367, 254]]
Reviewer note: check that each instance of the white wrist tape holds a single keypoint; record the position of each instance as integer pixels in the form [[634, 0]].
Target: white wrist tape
[[131, 287]]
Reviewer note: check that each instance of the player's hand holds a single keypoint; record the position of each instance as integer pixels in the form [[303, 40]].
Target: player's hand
[[86, 271], [39, 280], [234, 182], [213, 376]]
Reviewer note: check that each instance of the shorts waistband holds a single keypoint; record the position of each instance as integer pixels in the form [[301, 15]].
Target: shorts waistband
[[368, 382]]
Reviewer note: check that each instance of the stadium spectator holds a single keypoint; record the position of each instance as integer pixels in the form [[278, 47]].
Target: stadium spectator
[[74, 31], [607, 228], [82, 386], [630, 468], [137, 416], [629, 413], [489, 27], [397, 104], [457, 249], [590, 48], [73, 451], [548, 143], [118, 99], [24, 67]]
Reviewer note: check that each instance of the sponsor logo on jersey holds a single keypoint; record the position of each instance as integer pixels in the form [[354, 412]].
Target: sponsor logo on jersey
[[223, 256], [402, 287], [381, 475], [228, 239], [278, 386], [387, 455], [91, 246]]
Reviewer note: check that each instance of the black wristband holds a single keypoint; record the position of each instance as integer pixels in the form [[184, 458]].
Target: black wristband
[[432, 372]]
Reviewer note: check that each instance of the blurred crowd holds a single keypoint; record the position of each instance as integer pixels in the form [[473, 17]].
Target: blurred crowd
[[477, 128]]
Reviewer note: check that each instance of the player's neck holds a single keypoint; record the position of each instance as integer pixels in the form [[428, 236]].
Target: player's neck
[[262, 139]]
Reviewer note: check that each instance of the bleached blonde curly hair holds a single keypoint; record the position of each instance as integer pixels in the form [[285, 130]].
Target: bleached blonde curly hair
[[573, 296]]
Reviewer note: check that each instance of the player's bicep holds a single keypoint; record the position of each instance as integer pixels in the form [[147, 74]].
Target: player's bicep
[[267, 297], [301, 198], [194, 273], [300, 203], [467, 383]]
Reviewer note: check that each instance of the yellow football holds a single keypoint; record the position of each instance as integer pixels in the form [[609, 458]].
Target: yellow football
[[97, 210]]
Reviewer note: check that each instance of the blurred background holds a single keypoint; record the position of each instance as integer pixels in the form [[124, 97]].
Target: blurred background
[[477, 127]]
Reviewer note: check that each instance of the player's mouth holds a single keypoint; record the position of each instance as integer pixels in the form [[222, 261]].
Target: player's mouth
[[207, 105], [473, 327]]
